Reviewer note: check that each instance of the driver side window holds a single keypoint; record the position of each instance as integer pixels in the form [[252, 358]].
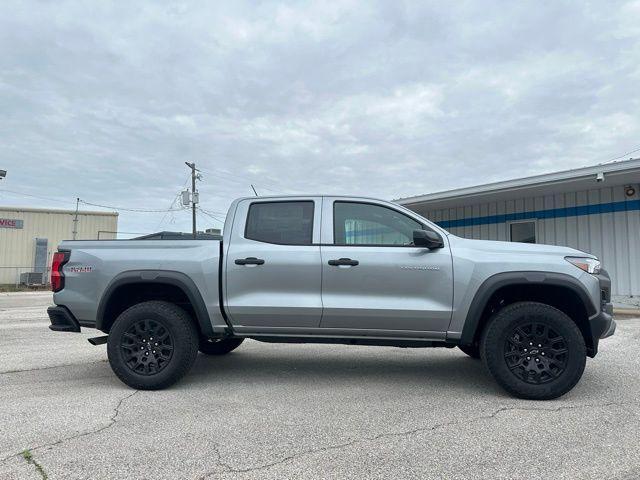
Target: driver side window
[[369, 224]]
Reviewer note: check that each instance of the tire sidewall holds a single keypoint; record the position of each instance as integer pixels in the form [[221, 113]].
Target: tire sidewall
[[184, 338], [503, 325]]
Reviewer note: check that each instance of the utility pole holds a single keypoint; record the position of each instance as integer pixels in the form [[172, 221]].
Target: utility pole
[[194, 195], [75, 220]]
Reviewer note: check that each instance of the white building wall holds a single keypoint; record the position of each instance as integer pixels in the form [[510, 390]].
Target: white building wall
[[614, 237], [17, 246]]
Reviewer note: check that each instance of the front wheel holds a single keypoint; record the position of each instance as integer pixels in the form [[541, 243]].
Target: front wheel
[[533, 350], [152, 345]]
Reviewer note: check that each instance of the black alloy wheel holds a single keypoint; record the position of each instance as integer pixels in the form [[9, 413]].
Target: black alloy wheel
[[533, 350], [147, 347], [535, 353], [152, 345]]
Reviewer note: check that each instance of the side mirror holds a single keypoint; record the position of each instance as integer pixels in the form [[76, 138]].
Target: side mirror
[[428, 239]]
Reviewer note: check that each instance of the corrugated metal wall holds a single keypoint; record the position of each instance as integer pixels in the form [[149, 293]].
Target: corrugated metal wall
[[17, 246], [613, 236]]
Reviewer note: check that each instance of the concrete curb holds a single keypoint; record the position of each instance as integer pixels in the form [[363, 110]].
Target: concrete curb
[[627, 312]]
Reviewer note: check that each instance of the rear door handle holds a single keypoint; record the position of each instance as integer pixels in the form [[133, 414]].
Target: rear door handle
[[344, 261], [249, 261]]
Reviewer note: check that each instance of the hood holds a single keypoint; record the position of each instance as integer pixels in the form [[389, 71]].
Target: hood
[[516, 247]]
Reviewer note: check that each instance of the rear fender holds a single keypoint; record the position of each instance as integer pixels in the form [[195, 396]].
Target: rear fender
[[176, 279]]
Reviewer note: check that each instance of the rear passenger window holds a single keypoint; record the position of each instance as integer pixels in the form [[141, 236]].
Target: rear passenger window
[[286, 223]]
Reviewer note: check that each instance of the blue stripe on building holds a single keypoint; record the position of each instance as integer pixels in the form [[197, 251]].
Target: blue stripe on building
[[595, 209]]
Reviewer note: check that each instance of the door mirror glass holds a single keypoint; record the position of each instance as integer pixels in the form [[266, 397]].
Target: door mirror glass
[[427, 239]]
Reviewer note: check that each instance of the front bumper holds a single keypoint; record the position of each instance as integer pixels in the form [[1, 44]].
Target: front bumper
[[62, 320], [602, 324]]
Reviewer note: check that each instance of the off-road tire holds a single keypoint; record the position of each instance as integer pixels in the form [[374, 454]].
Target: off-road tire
[[212, 346], [472, 350], [165, 317], [502, 343]]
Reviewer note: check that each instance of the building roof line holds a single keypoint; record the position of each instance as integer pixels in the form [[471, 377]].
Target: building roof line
[[518, 183], [16, 208]]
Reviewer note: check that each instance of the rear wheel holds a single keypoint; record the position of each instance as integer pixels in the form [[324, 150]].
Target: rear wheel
[[533, 350], [472, 350], [219, 346], [152, 345]]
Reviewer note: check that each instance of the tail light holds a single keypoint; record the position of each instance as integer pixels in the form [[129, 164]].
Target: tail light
[[57, 276]]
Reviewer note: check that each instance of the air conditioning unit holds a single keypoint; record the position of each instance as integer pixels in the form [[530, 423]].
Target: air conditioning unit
[[32, 278]]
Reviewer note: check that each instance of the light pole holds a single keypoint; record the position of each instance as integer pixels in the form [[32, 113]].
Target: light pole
[[194, 195], [75, 220]]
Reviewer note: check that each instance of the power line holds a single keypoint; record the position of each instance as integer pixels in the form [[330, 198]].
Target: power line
[[173, 203], [216, 212], [210, 215], [37, 196], [207, 212], [244, 179], [637, 149], [169, 211], [139, 210]]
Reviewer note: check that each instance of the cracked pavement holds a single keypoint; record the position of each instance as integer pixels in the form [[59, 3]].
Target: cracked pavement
[[304, 411]]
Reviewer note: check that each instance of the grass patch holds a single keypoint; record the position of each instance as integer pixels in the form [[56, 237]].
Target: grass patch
[[28, 456]]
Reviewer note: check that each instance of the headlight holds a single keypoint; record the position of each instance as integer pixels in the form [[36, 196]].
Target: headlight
[[588, 264]]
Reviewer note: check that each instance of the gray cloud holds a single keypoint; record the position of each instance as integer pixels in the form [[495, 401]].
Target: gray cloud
[[387, 99]]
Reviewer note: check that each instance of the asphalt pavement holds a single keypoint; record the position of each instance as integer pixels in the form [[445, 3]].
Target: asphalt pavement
[[304, 411]]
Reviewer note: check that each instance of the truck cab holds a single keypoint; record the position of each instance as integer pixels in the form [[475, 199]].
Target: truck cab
[[335, 265]]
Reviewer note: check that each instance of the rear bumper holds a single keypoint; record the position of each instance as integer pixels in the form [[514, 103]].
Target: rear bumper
[[62, 320]]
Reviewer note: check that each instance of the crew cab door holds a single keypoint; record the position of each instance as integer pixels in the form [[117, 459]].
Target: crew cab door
[[272, 265], [373, 278]]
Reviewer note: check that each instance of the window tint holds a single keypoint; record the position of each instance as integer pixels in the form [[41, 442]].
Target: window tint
[[524, 232], [289, 223], [367, 224]]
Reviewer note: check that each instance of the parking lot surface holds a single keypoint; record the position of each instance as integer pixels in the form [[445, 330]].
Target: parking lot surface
[[304, 411]]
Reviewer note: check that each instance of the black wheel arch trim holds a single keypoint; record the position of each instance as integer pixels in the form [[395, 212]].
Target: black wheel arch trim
[[500, 280], [166, 277]]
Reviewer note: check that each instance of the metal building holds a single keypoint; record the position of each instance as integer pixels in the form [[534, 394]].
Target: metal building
[[30, 236], [594, 209]]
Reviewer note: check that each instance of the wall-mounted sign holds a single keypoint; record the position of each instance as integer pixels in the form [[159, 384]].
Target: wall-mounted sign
[[11, 223]]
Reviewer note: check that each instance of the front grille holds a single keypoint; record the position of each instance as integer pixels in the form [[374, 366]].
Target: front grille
[[605, 295]]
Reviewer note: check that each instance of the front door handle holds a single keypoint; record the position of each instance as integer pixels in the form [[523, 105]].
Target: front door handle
[[249, 261], [344, 261]]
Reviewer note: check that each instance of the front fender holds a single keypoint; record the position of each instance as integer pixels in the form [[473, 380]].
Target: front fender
[[492, 284]]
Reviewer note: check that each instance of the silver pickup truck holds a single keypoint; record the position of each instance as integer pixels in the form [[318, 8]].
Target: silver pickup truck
[[346, 270]]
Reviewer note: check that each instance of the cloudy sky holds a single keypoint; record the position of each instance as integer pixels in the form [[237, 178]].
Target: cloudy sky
[[389, 99]]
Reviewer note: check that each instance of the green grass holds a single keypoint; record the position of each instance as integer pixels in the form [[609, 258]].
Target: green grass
[[26, 454]]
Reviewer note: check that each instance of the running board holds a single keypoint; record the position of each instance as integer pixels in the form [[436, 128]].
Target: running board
[[377, 342]]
